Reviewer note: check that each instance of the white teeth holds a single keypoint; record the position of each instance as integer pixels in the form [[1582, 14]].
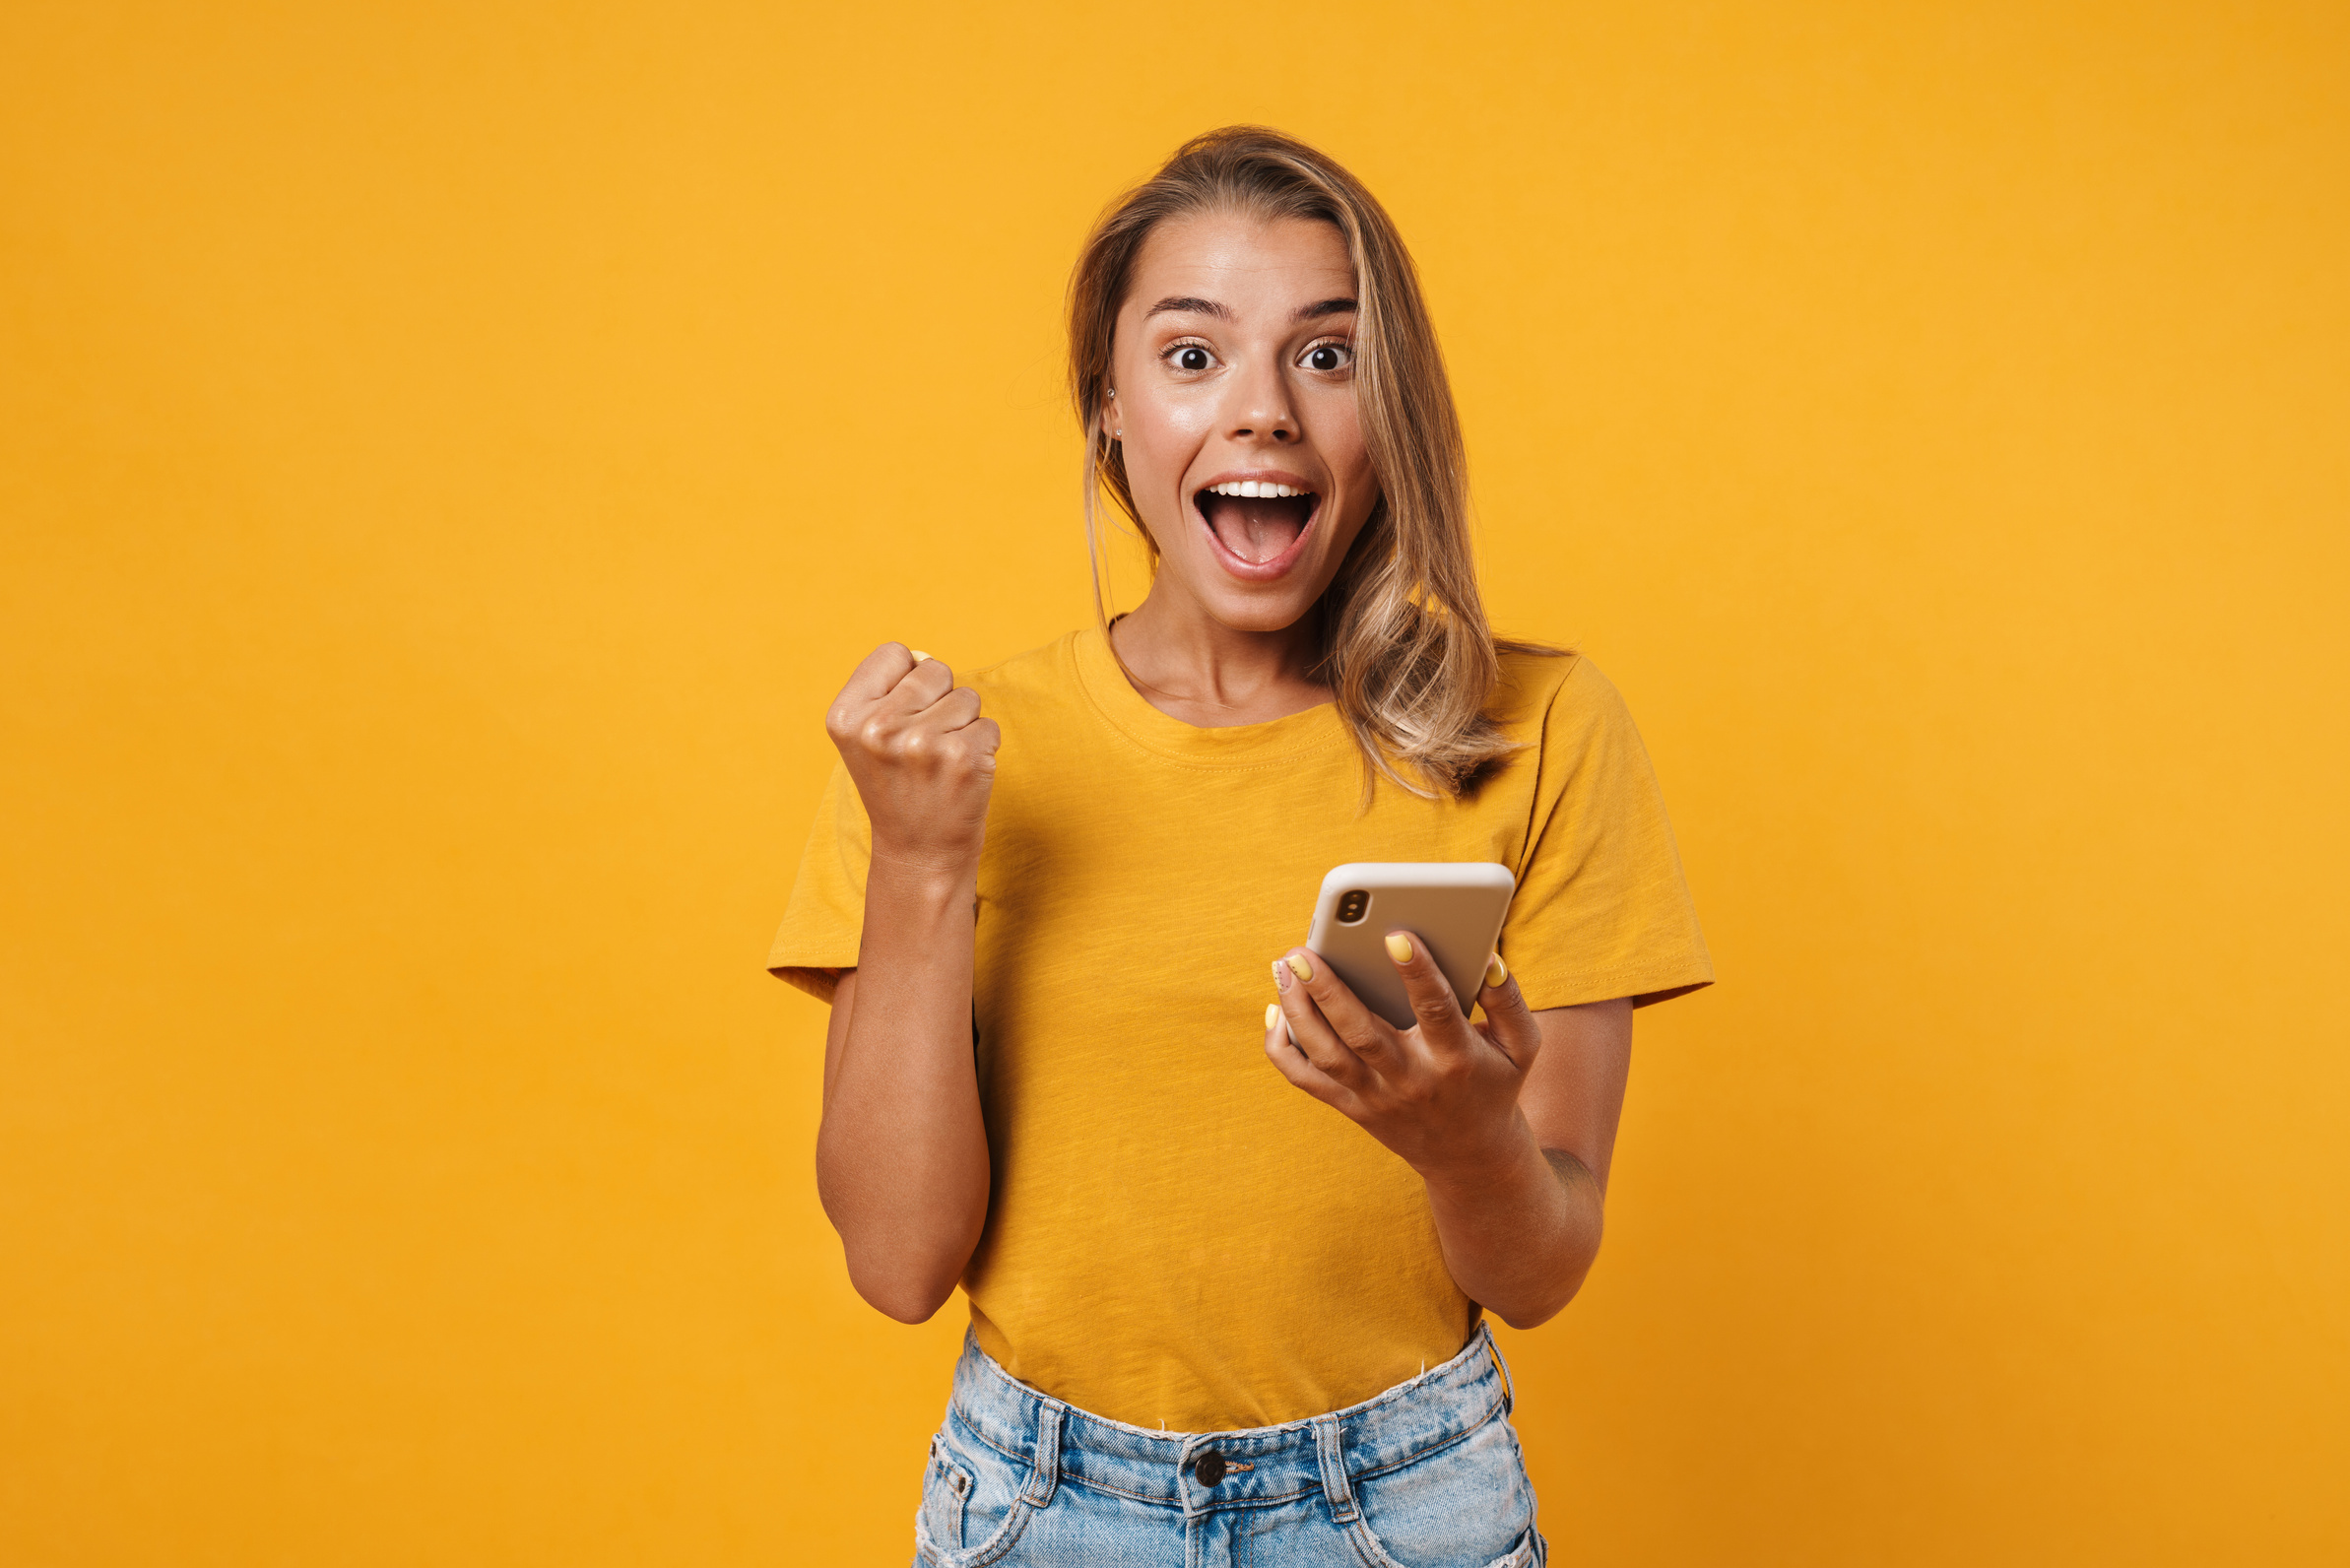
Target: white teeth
[[1253, 489]]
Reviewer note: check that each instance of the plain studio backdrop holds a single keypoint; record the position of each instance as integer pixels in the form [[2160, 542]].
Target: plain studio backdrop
[[450, 453]]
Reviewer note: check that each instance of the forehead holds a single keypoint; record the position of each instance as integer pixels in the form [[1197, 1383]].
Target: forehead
[[1250, 263]]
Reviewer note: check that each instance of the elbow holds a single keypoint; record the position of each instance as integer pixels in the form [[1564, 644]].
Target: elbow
[[908, 1282], [1540, 1310], [905, 1249], [1570, 1265], [906, 1302]]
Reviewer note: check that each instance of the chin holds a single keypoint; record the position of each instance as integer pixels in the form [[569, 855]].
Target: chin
[[1255, 614], [1250, 607]]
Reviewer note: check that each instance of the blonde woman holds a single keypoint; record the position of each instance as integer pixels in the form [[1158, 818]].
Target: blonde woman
[[1227, 1236]]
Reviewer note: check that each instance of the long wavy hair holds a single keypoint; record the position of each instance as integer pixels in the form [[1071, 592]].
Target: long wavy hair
[[1406, 646]]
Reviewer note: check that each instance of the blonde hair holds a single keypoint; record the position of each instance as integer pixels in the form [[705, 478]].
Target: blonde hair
[[1406, 649]]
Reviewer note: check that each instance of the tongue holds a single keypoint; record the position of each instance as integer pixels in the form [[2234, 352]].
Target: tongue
[[1257, 531]]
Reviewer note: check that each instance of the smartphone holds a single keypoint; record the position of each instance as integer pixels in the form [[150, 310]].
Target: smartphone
[[1455, 907]]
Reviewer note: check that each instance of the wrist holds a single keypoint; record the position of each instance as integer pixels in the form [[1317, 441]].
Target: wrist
[[927, 873]]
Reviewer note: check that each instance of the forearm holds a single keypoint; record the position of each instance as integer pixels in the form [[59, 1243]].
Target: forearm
[[1519, 1227], [901, 1156]]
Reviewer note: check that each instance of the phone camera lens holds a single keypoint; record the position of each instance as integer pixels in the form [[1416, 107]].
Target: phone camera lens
[[1353, 905]]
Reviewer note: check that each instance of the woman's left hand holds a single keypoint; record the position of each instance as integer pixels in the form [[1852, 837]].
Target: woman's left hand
[[1443, 1094]]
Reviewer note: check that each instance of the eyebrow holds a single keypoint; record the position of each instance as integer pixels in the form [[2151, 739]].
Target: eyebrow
[[1193, 304], [1189, 304]]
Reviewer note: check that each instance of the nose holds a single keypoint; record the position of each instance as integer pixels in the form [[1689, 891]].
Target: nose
[[1258, 407]]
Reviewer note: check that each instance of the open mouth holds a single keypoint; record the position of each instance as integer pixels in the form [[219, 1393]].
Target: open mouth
[[1259, 523]]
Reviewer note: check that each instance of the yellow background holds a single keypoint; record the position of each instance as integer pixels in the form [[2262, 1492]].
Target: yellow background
[[448, 454]]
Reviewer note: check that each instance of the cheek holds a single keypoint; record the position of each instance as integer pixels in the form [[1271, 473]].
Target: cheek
[[1160, 445], [1338, 435], [1361, 479], [1171, 428]]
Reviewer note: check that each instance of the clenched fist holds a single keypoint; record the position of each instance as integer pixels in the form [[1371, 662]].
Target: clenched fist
[[921, 757]]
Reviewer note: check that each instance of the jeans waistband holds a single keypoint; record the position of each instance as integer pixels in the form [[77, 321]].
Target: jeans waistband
[[1064, 1445]]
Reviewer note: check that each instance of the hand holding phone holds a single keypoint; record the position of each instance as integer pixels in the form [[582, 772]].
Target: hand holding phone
[[1454, 907], [1373, 1018]]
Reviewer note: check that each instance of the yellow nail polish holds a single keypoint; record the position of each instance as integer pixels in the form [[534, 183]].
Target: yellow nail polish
[[918, 654], [1496, 971], [1398, 947], [1272, 1014], [1299, 968]]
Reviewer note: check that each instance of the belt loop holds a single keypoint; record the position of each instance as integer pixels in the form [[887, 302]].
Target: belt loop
[[1045, 1478], [1509, 1387], [1335, 1485]]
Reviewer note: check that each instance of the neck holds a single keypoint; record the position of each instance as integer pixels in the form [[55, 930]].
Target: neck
[[1195, 667]]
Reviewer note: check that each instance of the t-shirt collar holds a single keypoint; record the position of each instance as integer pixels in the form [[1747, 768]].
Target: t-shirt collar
[[1130, 713]]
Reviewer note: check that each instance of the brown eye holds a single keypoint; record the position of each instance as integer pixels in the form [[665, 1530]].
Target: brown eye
[[1191, 356], [1328, 356]]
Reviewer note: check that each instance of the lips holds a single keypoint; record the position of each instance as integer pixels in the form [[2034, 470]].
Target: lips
[[1259, 531]]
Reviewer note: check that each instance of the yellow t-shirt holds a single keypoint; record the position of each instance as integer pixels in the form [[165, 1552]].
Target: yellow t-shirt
[[1177, 1236]]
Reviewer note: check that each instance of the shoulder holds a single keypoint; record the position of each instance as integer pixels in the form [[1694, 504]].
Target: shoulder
[[1549, 691], [1041, 675]]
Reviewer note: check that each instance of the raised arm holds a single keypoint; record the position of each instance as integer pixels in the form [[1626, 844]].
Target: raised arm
[[901, 1154]]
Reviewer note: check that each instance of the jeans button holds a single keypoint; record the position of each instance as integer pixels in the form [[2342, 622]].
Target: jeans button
[[1209, 1467]]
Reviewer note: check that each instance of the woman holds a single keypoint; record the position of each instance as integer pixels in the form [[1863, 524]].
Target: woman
[[1211, 1320]]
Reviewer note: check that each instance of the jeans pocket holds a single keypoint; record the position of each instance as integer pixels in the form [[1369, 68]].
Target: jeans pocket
[[974, 1510], [1466, 1505], [945, 1495]]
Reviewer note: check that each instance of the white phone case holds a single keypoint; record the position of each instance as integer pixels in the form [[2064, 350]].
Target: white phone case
[[1454, 906]]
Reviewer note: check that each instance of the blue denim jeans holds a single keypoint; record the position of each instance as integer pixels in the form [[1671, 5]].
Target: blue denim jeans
[[1425, 1475]]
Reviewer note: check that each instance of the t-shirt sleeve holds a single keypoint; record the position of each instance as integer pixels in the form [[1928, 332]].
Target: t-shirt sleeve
[[826, 917], [1601, 909]]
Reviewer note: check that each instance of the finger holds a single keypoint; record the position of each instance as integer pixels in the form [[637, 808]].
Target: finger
[[1307, 1026], [1442, 1022], [984, 737], [898, 721], [1294, 1064], [952, 711], [1509, 1022], [875, 674], [922, 685], [1365, 1033]]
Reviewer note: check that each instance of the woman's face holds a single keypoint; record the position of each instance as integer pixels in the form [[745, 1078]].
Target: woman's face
[[1234, 369]]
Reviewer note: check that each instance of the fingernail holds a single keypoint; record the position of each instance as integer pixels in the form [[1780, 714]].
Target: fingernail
[[918, 654], [1398, 947], [1299, 968], [1280, 975], [1272, 1015], [1496, 971]]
